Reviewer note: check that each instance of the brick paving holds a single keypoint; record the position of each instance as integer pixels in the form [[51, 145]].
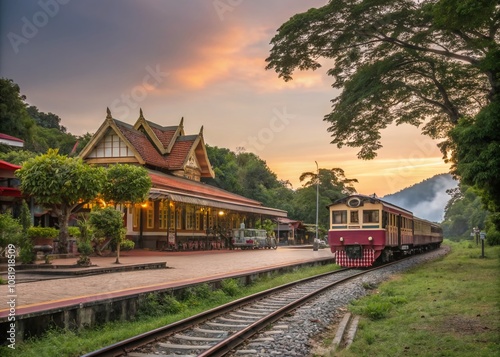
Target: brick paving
[[182, 268]]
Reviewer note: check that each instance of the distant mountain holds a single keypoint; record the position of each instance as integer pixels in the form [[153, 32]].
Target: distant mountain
[[426, 199]]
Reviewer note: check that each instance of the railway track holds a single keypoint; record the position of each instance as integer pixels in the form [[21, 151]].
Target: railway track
[[218, 331]]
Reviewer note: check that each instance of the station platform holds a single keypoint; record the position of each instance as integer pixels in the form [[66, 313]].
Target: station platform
[[139, 271]]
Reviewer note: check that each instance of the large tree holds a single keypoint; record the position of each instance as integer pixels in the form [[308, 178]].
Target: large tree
[[426, 63], [61, 183]]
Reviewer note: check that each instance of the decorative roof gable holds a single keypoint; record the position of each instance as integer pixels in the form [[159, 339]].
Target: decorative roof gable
[[165, 148], [162, 137]]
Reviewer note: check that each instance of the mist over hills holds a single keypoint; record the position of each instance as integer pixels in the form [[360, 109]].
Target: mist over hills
[[426, 199]]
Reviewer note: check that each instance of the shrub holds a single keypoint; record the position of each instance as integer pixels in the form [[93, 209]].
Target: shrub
[[10, 230], [172, 305], [43, 232], [74, 232], [150, 306], [27, 254], [85, 249], [230, 287], [154, 305], [127, 244], [493, 236]]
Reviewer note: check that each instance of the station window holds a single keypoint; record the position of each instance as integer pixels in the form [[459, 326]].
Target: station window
[[150, 215], [354, 217], [137, 215], [339, 217], [370, 216], [163, 214], [190, 217]]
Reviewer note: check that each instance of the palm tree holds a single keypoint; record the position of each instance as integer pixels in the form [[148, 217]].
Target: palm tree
[[333, 179]]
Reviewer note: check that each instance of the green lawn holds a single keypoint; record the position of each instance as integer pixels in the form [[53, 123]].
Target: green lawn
[[449, 307]]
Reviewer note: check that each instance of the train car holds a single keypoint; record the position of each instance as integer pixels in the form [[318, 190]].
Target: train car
[[364, 229], [248, 238]]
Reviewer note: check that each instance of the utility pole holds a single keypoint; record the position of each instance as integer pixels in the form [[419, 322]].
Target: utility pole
[[317, 197]]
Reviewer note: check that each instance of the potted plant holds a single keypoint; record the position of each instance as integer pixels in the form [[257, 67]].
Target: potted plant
[[42, 235]]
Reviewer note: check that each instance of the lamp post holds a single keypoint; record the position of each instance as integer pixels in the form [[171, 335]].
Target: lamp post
[[317, 196]]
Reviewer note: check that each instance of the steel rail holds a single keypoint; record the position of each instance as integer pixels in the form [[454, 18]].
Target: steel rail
[[121, 348], [239, 337], [243, 335]]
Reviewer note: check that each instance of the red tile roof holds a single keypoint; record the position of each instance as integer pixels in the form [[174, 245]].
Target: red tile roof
[[179, 152], [12, 138], [164, 134], [142, 145], [182, 185], [8, 166]]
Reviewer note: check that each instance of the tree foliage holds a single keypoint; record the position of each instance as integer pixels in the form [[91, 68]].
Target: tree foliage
[[465, 212], [126, 184], [329, 185], [14, 119], [45, 120], [475, 153], [396, 61], [248, 175], [61, 183], [40, 131], [17, 157]]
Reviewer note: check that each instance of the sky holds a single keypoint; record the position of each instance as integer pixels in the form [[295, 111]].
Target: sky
[[201, 60]]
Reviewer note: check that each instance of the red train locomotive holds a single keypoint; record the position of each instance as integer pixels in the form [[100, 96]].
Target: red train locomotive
[[364, 229]]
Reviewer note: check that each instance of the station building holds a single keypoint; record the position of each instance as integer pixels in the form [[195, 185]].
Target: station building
[[182, 212], [10, 194]]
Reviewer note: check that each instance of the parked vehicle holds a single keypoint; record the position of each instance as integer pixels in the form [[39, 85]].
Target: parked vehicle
[[248, 238]]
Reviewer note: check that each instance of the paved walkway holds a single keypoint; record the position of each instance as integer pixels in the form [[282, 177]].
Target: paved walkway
[[182, 268]]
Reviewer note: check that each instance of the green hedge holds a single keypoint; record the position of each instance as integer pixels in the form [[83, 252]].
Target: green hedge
[[43, 232]]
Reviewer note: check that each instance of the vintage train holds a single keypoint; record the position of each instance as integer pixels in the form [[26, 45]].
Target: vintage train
[[248, 238], [364, 229]]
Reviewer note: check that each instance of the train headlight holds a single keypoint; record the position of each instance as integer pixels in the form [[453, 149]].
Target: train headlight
[[341, 239], [370, 238]]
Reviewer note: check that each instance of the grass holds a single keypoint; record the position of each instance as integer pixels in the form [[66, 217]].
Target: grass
[[155, 312], [449, 307]]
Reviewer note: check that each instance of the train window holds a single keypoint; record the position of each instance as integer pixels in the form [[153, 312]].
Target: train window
[[354, 217], [339, 217], [370, 216], [385, 219]]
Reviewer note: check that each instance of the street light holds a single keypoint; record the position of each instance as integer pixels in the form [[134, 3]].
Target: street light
[[317, 197]]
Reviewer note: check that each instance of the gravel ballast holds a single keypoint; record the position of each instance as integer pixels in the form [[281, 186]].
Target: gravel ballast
[[294, 335]]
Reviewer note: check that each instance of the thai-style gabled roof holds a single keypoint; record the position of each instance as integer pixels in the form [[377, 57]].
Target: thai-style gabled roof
[[166, 148], [162, 137]]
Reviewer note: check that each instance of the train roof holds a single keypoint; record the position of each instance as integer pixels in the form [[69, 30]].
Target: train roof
[[371, 199]]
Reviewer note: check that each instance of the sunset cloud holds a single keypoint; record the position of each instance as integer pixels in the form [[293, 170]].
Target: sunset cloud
[[179, 59]]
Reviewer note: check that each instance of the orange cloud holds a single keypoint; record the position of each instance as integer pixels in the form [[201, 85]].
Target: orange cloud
[[239, 56]]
